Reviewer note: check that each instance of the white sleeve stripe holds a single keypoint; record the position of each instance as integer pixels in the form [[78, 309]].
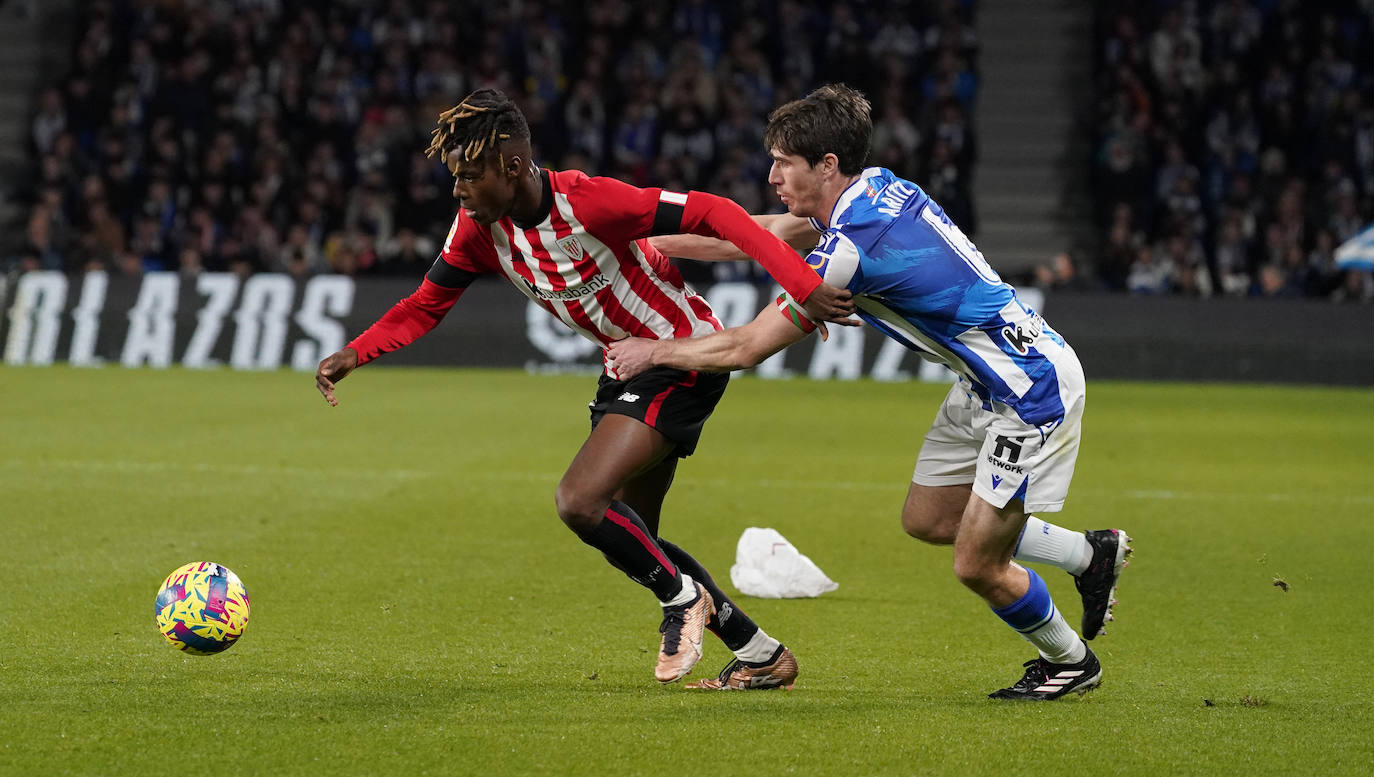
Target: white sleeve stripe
[[676, 198], [838, 264]]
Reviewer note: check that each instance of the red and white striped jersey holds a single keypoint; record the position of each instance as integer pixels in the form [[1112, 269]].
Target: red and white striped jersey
[[587, 262]]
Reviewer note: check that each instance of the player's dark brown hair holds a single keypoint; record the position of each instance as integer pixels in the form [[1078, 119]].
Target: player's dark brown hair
[[479, 124], [834, 119]]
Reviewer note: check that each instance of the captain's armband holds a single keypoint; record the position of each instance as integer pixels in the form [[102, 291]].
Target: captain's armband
[[794, 313]]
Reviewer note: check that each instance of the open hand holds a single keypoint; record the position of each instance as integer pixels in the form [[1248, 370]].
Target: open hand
[[830, 303], [333, 369]]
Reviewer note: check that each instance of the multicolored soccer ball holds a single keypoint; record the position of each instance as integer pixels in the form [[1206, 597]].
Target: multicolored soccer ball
[[202, 608]]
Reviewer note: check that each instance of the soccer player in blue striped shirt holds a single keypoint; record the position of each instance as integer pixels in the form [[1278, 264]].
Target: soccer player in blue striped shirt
[[1003, 445]]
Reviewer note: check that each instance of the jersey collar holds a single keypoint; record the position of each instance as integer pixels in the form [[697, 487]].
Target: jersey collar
[[852, 193], [545, 201]]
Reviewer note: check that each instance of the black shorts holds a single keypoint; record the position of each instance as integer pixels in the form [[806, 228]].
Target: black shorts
[[674, 402]]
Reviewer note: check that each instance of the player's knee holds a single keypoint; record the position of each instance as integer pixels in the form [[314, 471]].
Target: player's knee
[[577, 509], [976, 575], [918, 527], [927, 528]]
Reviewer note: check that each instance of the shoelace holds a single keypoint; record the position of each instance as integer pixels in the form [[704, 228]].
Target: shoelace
[[1035, 673], [730, 669], [671, 629]]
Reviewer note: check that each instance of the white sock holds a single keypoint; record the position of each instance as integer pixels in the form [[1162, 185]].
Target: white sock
[[1057, 641], [687, 594], [758, 649], [1046, 543]]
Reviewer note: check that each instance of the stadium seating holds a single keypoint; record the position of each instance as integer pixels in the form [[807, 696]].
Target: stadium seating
[[287, 135], [1235, 146]]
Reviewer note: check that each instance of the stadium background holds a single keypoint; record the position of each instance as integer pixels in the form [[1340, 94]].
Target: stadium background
[[1105, 154], [218, 163]]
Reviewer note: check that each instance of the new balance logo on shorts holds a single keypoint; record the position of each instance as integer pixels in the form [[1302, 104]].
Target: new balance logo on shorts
[[628, 397]]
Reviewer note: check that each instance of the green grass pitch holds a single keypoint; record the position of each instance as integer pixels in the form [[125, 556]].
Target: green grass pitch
[[418, 608]]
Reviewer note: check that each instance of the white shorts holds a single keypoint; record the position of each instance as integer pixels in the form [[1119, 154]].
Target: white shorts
[[1004, 457]]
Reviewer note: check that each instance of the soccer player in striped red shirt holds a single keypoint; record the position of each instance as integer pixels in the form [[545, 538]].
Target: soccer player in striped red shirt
[[577, 246]]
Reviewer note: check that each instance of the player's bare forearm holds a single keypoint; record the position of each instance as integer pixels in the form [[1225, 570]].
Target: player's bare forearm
[[628, 358], [792, 230], [721, 352], [715, 216], [732, 349], [698, 247], [796, 232]]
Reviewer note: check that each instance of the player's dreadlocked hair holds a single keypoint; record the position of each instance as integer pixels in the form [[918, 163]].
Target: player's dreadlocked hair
[[834, 119], [478, 124]]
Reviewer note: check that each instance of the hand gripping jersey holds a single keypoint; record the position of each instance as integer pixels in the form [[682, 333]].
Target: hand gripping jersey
[[920, 281], [586, 261]]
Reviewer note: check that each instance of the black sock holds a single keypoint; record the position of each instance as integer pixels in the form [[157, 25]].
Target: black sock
[[728, 622], [626, 541]]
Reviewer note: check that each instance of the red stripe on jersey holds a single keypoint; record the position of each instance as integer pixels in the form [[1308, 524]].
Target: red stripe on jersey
[[622, 315], [650, 292], [519, 266], [652, 415], [705, 313], [644, 286], [664, 268], [579, 314], [562, 229], [602, 280], [649, 545], [611, 305], [549, 267], [469, 246], [615, 222]]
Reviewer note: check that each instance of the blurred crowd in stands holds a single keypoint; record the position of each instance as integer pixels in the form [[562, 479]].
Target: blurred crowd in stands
[[288, 135], [1235, 146]]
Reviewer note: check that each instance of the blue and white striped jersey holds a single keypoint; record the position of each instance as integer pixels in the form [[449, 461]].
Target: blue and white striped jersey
[[919, 280]]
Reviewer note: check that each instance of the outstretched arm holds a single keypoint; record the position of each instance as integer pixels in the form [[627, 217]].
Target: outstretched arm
[[795, 232], [714, 216], [708, 214], [732, 349], [400, 326]]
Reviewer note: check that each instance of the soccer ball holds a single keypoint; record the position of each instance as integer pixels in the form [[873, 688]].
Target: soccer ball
[[202, 608]]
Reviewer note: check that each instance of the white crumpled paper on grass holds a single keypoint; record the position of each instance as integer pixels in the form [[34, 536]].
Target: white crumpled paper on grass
[[770, 567]]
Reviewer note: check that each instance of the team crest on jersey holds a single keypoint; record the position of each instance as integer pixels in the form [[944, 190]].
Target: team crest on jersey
[[870, 192], [571, 247]]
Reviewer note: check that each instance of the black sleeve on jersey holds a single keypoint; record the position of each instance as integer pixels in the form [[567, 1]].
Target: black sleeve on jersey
[[668, 218], [448, 276]]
